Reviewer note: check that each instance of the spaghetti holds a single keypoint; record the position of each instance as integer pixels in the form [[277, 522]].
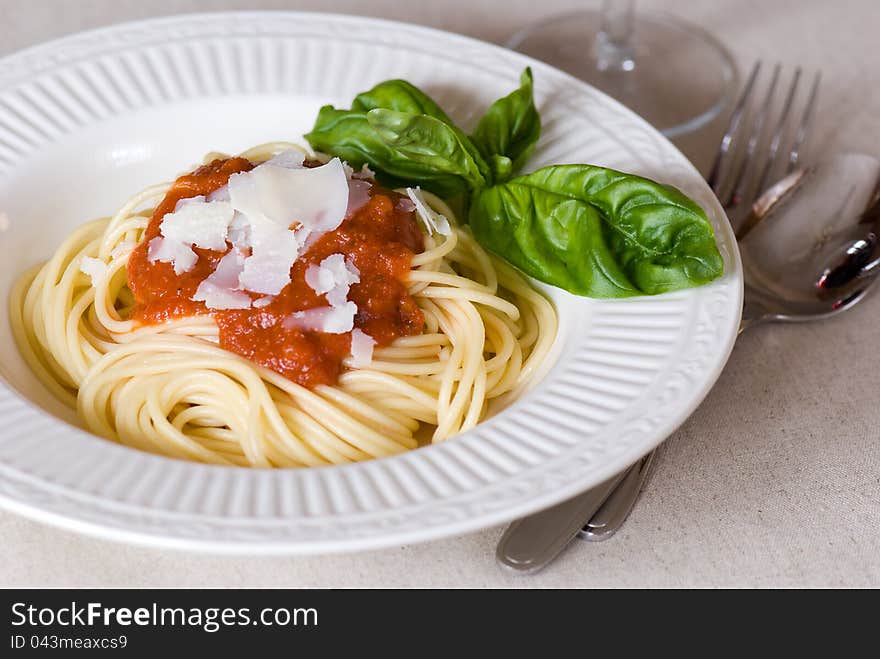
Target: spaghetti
[[170, 388]]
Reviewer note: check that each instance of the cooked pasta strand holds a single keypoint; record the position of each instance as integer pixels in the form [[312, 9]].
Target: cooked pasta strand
[[171, 389]]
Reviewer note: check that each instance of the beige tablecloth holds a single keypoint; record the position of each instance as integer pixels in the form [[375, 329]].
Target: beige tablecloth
[[774, 481]]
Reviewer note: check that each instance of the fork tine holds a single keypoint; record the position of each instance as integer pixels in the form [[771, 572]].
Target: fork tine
[[778, 131], [804, 126], [733, 126], [741, 181]]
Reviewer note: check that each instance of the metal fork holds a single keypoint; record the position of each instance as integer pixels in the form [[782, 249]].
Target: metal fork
[[736, 178], [736, 186]]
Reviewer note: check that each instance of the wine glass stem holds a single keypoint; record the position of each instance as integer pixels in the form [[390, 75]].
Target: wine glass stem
[[613, 48]]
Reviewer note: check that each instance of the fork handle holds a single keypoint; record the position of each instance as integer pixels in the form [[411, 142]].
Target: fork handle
[[532, 542], [617, 507]]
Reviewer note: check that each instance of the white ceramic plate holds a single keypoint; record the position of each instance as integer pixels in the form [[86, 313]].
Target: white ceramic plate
[[90, 119]]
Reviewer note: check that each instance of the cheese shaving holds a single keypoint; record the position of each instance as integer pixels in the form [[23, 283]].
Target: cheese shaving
[[94, 268], [433, 221], [170, 251], [198, 222], [264, 301], [362, 345], [330, 320], [274, 249], [333, 277], [290, 159], [123, 249], [220, 290]]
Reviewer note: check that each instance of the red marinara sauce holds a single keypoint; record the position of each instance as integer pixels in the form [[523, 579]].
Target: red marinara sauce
[[379, 238]]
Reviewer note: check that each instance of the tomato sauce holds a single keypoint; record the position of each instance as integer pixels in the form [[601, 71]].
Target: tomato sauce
[[379, 238]]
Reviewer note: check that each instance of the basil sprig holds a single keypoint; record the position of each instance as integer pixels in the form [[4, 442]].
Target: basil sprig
[[405, 137], [507, 133], [590, 230]]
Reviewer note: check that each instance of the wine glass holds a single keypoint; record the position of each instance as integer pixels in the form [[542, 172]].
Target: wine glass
[[674, 74]]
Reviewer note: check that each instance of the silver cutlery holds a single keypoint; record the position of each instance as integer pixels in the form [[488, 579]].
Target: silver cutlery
[[810, 250], [825, 254], [532, 542], [616, 508]]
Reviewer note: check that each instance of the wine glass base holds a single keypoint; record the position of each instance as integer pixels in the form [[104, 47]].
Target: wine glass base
[[679, 79]]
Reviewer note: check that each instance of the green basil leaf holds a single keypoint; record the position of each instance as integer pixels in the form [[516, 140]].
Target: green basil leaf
[[507, 133], [401, 96], [350, 136], [427, 141], [598, 232]]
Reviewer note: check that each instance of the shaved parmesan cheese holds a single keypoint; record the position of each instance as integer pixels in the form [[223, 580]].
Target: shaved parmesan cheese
[[362, 345], [333, 271], [330, 320], [220, 289], [433, 221], [405, 204], [289, 159], [319, 279], [239, 233], [228, 270], [354, 275], [365, 173], [198, 199], [254, 212], [220, 194], [358, 196], [334, 276], [274, 249], [271, 199], [198, 223], [315, 197], [123, 249], [306, 238], [338, 296], [215, 297], [171, 251], [94, 268]]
